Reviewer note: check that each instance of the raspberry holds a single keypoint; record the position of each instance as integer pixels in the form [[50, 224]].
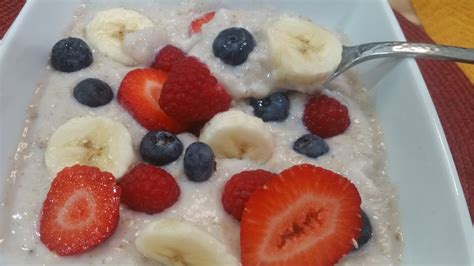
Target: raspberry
[[325, 116], [239, 188], [191, 93], [167, 57], [148, 189]]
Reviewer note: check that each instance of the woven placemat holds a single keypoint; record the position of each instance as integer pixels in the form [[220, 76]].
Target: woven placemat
[[452, 93]]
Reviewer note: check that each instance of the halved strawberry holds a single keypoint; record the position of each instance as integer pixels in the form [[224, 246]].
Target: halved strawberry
[[306, 215], [81, 210], [139, 94], [196, 24]]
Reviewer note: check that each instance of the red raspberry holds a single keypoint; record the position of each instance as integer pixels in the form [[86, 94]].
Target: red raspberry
[[192, 94], [147, 188], [325, 116], [167, 57], [239, 188]]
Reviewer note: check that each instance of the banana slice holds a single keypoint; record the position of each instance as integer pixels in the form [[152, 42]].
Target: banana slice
[[235, 134], [108, 29], [174, 242], [302, 53], [93, 141]]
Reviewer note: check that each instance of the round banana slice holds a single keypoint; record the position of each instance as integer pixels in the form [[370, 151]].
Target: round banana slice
[[108, 29], [93, 141], [174, 242], [235, 134], [302, 53]]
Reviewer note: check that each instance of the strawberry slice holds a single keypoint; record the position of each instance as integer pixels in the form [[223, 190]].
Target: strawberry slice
[[139, 94], [306, 215], [197, 24], [81, 210]]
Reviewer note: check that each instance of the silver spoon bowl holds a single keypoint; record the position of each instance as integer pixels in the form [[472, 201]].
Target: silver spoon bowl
[[353, 55]]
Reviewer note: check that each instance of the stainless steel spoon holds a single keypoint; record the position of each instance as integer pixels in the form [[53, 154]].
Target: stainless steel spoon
[[353, 55]]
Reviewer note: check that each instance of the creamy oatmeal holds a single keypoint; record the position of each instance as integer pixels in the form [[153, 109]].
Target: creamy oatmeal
[[357, 154]]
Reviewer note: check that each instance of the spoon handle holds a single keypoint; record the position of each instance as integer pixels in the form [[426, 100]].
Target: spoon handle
[[353, 55]]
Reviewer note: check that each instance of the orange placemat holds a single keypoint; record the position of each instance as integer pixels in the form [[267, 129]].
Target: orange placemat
[[449, 22], [452, 93]]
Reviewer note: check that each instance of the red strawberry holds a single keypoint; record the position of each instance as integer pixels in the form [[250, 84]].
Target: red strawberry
[[147, 188], [192, 94], [325, 116], [167, 57], [305, 216], [239, 188], [81, 210], [139, 94], [196, 24]]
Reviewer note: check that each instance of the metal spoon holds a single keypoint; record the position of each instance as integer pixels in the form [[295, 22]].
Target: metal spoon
[[353, 55]]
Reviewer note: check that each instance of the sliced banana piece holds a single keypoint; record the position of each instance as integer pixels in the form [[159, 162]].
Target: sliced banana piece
[[302, 53], [179, 243], [93, 141], [108, 29], [235, 134]]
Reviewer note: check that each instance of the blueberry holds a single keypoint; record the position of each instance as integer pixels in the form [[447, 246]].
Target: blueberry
[[366, 233], [93, 92], [233, 45], [311, 145], [160, 148], [71, 54], [272, 108], [199, 162]]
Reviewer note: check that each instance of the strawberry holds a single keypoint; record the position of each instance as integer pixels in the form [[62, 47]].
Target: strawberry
[[306, 215], [192, 94], [150, 189], [81, 210], [239, 188], [197, 24], [139, 94], [325, 116], [167, 57]]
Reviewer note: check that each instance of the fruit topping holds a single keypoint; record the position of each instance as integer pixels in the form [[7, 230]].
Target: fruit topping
[[302, 54], [239, 188], [175, 242], [366, 232], [94, 141], [108, 29], [160, 148], [311, 145], [139, 93], [235, 134], [147, 188], [275, 107], [71, 54], [325, 116], [306, 215], [191, 93], [93, 92], [199, 162], [167, 57], [233, 45], [81, 210], [197, 24]]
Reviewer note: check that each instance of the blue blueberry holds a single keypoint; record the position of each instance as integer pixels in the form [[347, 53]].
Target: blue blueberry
[[71, 54], [233, 45], [93, 92], [311, 145], [199, 162], [160, 148], [366, 232], [272, 108]]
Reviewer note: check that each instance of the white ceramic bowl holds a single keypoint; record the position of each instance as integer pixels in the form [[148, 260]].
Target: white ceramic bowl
[[434, 216]]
